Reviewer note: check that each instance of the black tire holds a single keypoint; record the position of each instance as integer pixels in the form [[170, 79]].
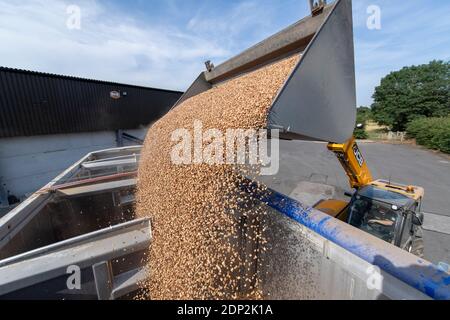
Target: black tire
[[417, 245]]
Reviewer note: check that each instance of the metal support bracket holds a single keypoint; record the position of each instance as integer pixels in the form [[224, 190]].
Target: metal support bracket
[[103, 276], [317, 6]]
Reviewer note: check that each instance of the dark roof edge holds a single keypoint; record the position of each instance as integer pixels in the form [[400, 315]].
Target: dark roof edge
[[52, 75]]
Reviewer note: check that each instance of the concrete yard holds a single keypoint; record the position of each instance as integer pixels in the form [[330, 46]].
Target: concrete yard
[[302, 162]]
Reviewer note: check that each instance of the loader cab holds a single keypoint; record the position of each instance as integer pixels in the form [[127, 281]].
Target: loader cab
[[389, 212]]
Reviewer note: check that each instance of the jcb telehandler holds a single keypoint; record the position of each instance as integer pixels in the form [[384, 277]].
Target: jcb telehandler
[[387, 210]]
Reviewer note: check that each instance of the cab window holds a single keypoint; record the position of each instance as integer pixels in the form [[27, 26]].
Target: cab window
[[374, 217]]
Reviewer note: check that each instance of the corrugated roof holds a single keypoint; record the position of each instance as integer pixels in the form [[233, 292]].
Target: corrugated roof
[[35, 103], [61, 76]]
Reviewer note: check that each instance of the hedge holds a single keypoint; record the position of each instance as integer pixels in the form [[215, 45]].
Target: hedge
[[433, 133], [360, 134]]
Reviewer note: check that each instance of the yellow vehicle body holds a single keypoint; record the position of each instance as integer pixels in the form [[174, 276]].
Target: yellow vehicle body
[[358, 173], [413, 192], [334, 208], [389, 211], [353, 162]]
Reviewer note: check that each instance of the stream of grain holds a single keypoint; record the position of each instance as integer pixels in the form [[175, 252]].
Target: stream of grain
[[198, 211]]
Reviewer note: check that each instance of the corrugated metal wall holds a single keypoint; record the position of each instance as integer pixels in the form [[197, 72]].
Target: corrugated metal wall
[[34, 103]]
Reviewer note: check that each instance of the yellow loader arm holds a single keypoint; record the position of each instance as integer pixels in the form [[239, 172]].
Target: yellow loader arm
[[353, 162]]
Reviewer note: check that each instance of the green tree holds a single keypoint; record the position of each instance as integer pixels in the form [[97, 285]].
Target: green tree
[[363, 115], [412, 92]]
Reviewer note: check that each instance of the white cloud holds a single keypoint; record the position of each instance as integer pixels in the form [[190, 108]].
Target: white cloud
[[109, 46], [245, 24], [113, 46]]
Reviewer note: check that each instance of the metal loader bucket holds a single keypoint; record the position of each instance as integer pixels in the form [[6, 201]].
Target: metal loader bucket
[[318, 100]]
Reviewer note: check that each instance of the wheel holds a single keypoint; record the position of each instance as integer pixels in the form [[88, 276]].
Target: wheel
[[417, 246]]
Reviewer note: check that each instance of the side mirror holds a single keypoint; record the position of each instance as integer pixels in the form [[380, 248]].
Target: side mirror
[[417, 219], [348, 194]]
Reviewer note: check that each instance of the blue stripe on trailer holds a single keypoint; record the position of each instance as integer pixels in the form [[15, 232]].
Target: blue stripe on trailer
[[419, 273]]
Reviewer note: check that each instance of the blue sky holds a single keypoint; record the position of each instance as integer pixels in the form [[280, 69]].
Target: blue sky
[[164, 43]]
